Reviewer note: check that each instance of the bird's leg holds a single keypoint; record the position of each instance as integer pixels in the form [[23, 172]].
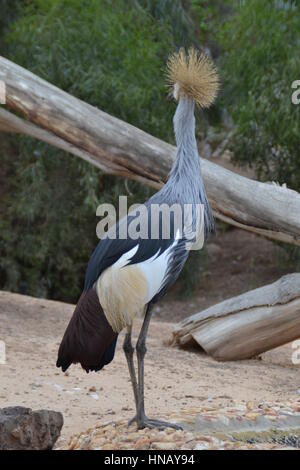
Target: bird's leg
[[141, 352], [129, 350], [141, 419]]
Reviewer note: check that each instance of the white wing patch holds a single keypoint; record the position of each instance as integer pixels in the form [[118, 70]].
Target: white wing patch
[[125, 289], [155, 270], [124, 260]]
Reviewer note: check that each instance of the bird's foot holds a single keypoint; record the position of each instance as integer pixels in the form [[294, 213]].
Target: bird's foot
[[145, 422], [157, 423]]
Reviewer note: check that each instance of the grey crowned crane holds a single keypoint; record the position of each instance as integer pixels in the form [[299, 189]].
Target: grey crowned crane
[[126, 276]]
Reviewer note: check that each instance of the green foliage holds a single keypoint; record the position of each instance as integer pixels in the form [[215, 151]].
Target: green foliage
[[260, 60], [107, 53], [207, 16], [112, 55], [173, 15], [8, 12]]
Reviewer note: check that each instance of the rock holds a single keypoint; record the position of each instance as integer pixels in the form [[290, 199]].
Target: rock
[[99, 442], [167, 438], [95, 396], [201, 446], [110, 447], [164, 445], [84, 443], [22, 428], [73, 443], [142, 443]]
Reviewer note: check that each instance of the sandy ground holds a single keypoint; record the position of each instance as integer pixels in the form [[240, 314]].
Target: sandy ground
[[175, 379]]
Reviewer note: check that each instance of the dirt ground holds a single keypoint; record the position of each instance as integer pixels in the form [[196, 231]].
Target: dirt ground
[[175, 379]]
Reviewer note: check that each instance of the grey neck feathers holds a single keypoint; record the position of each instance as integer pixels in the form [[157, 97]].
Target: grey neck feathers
[[187, 163], [185, 180]]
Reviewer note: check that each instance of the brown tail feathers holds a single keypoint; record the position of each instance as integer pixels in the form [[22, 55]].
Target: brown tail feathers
[[89, 338]]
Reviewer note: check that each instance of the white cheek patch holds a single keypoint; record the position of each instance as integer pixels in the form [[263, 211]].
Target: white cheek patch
[[176, 91]]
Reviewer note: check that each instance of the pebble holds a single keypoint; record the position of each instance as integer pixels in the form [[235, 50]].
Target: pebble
[[142, 443], [117, 435], [58, 387], [201, 446], [94, 395], [164, 445]]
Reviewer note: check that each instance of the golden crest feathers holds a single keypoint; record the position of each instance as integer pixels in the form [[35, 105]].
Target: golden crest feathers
[[194, 75]]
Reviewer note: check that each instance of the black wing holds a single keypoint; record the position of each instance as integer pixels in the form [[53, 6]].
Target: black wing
[[109, 250]]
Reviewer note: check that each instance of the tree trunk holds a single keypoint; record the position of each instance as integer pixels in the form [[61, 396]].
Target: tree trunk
[[246, 325], [121, 149]]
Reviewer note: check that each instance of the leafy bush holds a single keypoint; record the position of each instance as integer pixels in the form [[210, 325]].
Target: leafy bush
[[112, 55], [9, 10], [260, 60]]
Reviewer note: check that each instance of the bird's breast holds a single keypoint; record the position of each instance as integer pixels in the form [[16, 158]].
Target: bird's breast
[[122, 293]]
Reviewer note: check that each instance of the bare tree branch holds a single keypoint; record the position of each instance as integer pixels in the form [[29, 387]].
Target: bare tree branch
[[119, 148], [246, 325]]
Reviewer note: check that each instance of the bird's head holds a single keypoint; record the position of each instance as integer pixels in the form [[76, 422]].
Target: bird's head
[[193, 75]]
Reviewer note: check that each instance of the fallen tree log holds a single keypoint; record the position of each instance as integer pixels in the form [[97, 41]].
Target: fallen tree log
[[121, 149], [11, 123], [246, 325]]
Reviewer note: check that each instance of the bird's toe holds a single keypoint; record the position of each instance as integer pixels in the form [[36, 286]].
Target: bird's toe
[[156, 423], [145, 422], [132, 420]]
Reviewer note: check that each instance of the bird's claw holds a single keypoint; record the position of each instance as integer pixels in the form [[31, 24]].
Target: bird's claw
[[132, 420]]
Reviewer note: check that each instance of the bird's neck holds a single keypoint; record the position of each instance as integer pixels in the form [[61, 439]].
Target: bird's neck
[[185, 181], [187, 163]]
